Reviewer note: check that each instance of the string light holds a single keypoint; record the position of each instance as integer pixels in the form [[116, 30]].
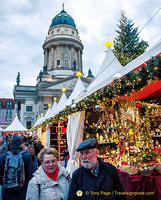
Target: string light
[[78, 74], [63, 90]]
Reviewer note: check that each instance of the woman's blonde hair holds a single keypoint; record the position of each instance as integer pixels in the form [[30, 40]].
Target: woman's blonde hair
[[49, 150]]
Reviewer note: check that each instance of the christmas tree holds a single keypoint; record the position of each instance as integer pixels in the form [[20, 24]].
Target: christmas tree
[[127, 46]]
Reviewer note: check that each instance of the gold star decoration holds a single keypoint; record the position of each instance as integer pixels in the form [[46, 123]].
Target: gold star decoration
[[109, 43]]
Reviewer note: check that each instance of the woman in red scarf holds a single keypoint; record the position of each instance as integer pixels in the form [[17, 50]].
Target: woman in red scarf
[[51, 180]]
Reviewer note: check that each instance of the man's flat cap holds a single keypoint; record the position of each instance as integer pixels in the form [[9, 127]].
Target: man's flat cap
[[87, 144]]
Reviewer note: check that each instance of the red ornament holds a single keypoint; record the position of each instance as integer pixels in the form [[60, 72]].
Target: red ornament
[[137, 105]]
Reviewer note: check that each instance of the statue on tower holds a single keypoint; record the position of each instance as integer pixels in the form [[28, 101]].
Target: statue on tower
[[18, 78], [90, 75], [45, 70], [40, 76]]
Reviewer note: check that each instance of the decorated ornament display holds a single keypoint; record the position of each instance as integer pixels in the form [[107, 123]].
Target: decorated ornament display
[[130, 132]]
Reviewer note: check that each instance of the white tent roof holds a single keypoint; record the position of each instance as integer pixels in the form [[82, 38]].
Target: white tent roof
[[108, 68], [49, 111], [16, 126], [151, 52], [38, 121], [60, 106], [98, 83], [63, 102], [42, 119], [79, 87]]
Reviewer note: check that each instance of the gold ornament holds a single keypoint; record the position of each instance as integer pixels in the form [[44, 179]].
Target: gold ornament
[[109, 44]]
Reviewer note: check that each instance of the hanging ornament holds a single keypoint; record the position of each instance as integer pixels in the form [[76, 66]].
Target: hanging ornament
[[138, 105], [156, 143], [131, 132]]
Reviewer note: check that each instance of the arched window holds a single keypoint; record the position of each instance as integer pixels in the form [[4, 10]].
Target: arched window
[[58, 31], [58, 62], [74, 65], [66, 63]]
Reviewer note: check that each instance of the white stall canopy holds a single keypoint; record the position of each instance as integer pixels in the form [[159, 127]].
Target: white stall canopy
[[16, 126]]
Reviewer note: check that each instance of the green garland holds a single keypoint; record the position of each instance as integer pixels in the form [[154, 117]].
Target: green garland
[[133, 81]]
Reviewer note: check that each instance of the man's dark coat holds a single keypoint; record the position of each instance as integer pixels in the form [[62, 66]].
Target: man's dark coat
[[103, 187]]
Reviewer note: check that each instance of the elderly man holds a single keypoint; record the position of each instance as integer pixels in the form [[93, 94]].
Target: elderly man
[[95, 179]]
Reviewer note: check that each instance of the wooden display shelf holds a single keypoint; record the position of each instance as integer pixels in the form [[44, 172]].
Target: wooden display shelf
[[57, 137]]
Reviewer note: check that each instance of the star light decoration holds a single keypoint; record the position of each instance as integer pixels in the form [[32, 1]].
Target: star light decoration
[[78, 74], [127, 114], [109, 43]]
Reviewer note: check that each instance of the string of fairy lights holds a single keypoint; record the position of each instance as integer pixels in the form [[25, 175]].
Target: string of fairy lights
[[133, 81]]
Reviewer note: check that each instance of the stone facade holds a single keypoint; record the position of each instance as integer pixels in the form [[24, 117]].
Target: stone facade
[[7, 112], [62, 60]]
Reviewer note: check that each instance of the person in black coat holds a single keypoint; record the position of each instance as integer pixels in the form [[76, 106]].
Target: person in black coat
[[95, 179], [16, 147]]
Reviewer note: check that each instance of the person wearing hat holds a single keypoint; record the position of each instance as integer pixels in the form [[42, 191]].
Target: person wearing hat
[[15, 148], [94, 179]]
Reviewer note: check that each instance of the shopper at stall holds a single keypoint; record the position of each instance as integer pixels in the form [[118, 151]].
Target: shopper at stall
[[3, 147], [95, 179], [15, 171], [51, 180]]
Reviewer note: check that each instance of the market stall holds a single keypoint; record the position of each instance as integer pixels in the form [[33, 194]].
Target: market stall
[[128, 125], [52, 130], [124, 125], [16, 128]]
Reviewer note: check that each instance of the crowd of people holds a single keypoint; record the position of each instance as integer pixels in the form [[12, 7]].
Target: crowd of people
[[46, 179]]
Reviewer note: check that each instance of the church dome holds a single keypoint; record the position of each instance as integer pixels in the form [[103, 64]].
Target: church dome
[[63, 18]]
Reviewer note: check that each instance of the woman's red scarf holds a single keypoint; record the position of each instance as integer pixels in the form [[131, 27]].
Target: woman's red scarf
[[53, 176]]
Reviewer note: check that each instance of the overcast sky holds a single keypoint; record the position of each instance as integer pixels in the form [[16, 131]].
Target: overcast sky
[[24, 25]]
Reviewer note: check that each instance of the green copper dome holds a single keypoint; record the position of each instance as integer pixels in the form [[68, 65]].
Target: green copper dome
[[63, 18]]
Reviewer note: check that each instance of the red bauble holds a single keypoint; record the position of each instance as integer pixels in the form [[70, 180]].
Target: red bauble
[[137, 105]]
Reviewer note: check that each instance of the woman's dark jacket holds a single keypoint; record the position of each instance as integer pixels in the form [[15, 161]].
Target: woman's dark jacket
[[19, 194], [104, 186]]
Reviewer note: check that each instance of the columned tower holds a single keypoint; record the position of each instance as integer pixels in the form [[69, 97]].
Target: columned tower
[[62, 48]]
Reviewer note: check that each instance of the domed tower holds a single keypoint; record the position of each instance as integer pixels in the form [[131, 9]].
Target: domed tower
[[62, 47]]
